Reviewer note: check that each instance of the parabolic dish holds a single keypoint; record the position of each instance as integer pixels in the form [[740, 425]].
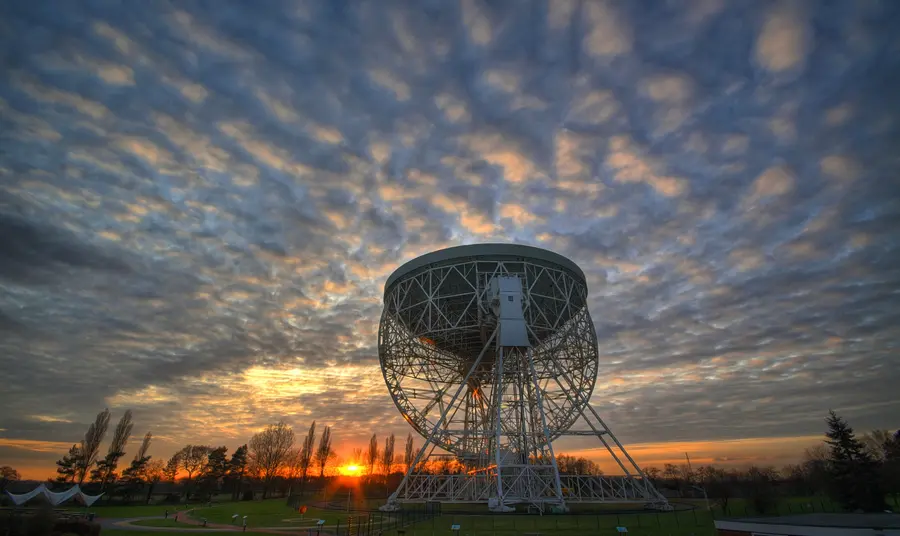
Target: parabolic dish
[[438, 318]]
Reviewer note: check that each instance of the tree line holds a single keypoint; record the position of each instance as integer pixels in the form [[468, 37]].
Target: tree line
[[203, 470], [856, 472]]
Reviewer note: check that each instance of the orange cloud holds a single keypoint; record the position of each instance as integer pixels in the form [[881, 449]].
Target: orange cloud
[[775, 451]]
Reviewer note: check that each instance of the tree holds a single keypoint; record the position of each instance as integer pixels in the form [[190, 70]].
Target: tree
[[718, 484], [874, 442], [570, 465], [760, 488], [307, 452], [891, 448], [237, 466], [372, 454], [192, 458], [154, 472], [215, 470], [90, 445], [652, 473], [145, 446], [672, 474], [409, 455], [854, 474], [7, 475], [135, 474], [67, 466], [324, 452], [269, 450], [815, 468], [106, 468], [387, 455], [294, 467], [170, 471]]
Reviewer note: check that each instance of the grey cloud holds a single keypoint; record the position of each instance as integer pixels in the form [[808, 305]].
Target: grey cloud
[[231, 210]]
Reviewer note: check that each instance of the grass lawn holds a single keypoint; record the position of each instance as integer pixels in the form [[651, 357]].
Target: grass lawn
[[165, 523], [111, 532], [271, 513], [131, 511], [275, 513], [553, 525]]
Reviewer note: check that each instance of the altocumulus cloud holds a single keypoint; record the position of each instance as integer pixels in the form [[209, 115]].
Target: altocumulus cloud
[[200, 201]]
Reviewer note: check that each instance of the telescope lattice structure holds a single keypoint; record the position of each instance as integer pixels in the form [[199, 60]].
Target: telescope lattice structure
[[490, 354]]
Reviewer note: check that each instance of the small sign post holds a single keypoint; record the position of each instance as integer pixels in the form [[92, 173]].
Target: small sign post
[[455, 529], [622, 530]]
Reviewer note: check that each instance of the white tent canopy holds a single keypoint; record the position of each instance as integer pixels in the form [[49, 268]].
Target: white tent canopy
[[54, 498]]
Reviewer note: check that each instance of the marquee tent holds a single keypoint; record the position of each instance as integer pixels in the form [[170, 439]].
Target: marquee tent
[[54, 498]]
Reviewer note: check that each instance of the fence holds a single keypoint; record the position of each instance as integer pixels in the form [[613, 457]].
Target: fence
[[691, 518], [372, 524]]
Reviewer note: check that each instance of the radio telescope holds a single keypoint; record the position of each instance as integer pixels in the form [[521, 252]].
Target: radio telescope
[[490, 354]]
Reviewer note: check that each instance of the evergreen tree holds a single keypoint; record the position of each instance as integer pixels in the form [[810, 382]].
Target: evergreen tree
[[892, 463], [854, 474], [237, 466], [67, 465], [135, 474], [215, 470]]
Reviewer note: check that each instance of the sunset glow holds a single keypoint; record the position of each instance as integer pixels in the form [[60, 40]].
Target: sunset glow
[[351, 470]]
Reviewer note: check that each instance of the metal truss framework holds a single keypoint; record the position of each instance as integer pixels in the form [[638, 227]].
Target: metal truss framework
[[498, 409]]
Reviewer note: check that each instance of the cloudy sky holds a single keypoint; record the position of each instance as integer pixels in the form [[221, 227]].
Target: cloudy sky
[[200, 202]]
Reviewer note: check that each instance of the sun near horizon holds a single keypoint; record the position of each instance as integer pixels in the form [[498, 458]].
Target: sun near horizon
[[350, 470]]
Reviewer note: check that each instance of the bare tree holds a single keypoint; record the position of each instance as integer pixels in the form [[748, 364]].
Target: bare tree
[[372, 454], [90, 445], [387, 455], [269, 451], [307, 451], [106, 468], [324, 452], [192, 458], [293, 468], [153, 473], [409, 455], [356, 457], [875, 441]]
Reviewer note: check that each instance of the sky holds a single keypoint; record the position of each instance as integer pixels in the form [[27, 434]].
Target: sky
[[200, 203]]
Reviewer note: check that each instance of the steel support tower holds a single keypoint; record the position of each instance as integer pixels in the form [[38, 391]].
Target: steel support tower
[[490, 354]]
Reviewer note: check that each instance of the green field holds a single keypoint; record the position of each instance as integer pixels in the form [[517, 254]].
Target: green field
[[158, 522], [646, 524], [692, 519], [270, 513], [110, 532]]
